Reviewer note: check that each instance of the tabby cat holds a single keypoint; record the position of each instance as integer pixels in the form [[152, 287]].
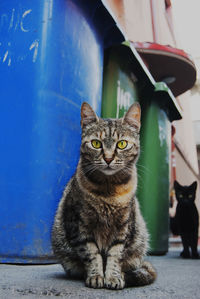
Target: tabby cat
[[186, 220], [99, 233]]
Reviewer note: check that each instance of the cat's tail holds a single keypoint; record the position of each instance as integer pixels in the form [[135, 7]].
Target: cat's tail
[[144, 275]]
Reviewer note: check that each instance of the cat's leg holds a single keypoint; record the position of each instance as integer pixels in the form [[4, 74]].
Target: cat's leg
[[84, 261], [141, 276], [186, 242], [114, 277], [194, 245], [94, 266]]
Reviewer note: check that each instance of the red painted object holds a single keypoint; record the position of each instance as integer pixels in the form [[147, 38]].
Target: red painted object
[[171, 65]]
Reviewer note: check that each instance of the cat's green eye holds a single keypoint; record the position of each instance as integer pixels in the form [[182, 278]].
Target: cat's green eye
[[96, 143], [181, 195], [122, 144]]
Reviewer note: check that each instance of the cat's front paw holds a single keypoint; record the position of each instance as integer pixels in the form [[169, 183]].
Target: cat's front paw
[[185, 254], [96, 282], [114, 282], [195, 256]]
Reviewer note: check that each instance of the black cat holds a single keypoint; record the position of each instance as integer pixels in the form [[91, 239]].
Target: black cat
[[186, 220]]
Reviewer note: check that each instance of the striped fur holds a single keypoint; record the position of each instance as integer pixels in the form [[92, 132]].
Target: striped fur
[[99, 233]]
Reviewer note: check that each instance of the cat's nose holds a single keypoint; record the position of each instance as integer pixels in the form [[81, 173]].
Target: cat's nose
[[108, 160]]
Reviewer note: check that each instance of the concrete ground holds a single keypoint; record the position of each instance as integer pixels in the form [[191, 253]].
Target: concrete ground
[[177, 278]]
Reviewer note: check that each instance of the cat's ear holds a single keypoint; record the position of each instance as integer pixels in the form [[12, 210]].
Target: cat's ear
[[87, 115], [132, 116], [176, 185], [194, 185]]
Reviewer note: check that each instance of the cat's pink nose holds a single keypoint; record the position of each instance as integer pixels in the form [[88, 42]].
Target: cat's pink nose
[[108, 160]]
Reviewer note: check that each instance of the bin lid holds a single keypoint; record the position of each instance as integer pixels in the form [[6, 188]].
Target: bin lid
[[170, 65], [158, 90]]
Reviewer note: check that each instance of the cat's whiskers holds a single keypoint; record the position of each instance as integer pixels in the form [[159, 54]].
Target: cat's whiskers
[[127, 168], [88, 168], [143, 169]]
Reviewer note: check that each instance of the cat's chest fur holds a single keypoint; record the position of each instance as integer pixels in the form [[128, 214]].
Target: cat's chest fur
[[106, 221]]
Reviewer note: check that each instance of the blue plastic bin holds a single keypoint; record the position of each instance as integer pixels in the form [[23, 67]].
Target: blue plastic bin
[[51, 60]]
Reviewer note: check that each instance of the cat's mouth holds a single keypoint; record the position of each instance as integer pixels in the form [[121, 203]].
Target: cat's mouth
[[109, 170]]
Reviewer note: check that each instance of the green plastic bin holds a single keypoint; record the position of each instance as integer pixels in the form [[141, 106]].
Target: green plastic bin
[[127, 80]]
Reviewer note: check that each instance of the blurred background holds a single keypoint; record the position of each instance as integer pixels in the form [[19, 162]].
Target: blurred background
[[186, 23]]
